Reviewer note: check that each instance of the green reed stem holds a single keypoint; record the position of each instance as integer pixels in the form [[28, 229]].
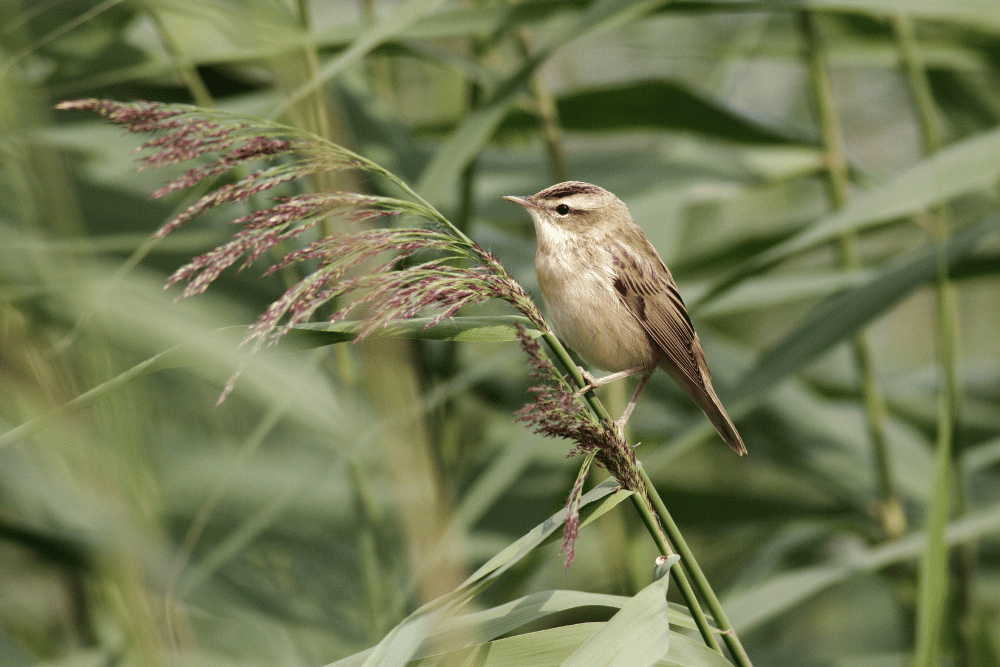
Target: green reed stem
[[701, 583], [932, 584], [543, 105], [653, 522], [653, 518], [891, 514]]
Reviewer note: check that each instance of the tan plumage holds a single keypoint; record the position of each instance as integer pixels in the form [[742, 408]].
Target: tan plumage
[[613, 300]]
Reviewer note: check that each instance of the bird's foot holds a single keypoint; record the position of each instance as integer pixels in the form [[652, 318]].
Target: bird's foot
[[589, 379]]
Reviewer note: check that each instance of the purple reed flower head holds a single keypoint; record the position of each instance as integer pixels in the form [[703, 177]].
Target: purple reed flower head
[[389, 274], [558, 412], [140, 116]]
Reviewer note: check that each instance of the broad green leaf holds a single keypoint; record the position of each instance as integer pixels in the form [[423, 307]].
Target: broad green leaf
[[687, 652], [468, 140], [534, 649], [980, 457], [962, 168], [402, 642], [780, 593], [500, 620], [548, 648], [487, 329], [769, 291], [217, 29], [660, 104], [841, 315], [637, 635], [547, 531]]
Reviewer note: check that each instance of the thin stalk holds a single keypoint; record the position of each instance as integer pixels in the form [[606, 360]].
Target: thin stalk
[[641, 502], [890, 511], [701, 583], [916, 78], [932, 587], [466, 205], [185, 67], [653, 524], [377, 591], [544, 107]]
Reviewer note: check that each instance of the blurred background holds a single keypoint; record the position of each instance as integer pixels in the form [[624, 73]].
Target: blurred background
[[797, 165]]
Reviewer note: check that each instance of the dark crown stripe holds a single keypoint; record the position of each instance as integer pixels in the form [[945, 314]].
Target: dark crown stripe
[[566, 189]]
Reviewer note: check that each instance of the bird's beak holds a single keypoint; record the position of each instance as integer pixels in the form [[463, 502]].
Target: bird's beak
[[526, 202]]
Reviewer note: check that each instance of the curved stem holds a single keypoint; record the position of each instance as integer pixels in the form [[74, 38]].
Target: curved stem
[[653, 516], [700, 580]]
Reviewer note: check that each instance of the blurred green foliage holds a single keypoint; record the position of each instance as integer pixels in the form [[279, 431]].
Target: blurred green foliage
[[339, 488]]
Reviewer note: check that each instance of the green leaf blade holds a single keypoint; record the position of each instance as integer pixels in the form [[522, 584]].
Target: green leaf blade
[[486, 329], [639, 634]]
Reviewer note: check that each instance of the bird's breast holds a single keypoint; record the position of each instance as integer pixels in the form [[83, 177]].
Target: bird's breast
[[578, 288]]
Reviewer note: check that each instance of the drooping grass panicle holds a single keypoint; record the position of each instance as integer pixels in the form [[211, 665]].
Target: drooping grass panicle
[[385, 292], [288, 219], [571, 529], [558, 412], [188, 133], [367, 269]]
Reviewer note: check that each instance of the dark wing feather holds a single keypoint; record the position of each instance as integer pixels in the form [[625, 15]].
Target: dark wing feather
[[649, 292]]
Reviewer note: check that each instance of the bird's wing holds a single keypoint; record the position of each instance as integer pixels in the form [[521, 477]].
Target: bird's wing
[[648, 290]]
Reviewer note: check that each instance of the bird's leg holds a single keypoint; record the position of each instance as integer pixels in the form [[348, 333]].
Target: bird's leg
[[593, 383], [620, 424]]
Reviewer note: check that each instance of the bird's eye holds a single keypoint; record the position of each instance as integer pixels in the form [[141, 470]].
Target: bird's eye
[[562, 209]]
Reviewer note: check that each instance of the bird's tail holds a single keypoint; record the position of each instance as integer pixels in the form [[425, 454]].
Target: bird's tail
[[704, 396], [712, 407]]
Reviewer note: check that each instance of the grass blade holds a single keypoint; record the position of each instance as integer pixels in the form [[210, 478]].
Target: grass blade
[[638, 634], [488, 329], [840, 316]]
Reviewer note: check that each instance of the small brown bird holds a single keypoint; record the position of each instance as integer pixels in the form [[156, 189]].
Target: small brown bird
[[612, 298]]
